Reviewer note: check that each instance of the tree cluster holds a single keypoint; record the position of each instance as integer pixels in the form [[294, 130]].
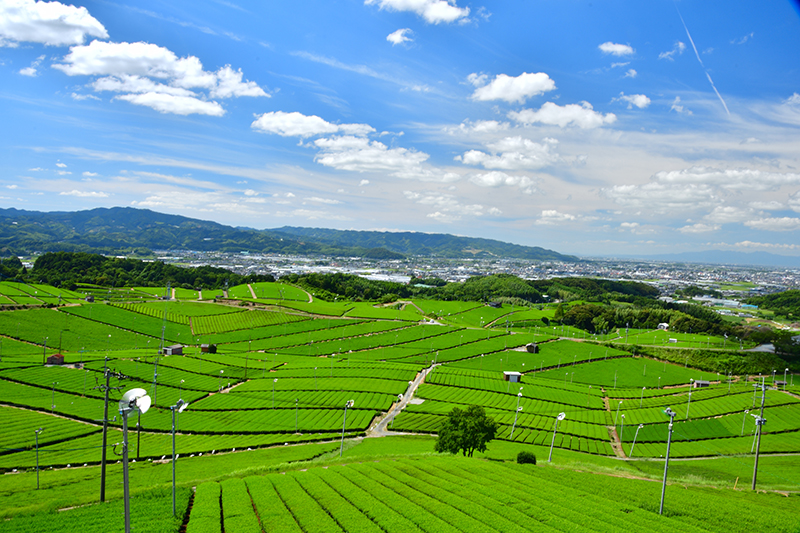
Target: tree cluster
[[67, 270], [466, 431]]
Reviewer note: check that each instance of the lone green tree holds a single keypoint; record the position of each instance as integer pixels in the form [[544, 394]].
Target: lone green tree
[[466, 431]]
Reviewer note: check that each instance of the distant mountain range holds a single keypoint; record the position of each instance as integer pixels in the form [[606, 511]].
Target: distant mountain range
[[722, 257], [125, 230]]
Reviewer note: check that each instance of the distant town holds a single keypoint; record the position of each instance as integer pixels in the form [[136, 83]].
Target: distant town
[[668, 277]]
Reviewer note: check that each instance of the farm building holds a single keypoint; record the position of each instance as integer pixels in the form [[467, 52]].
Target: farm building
[[175, 349], [208, 348], [56, 359], [532, 347], [699, 383], [514, 377]]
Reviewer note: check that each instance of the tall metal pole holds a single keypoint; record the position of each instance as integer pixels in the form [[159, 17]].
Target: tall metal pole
[[560, 417], [36, 434], [105, 435], [759, 423], [344, 424], [516, 413], [173, 462], [125, 489], [671, 414]]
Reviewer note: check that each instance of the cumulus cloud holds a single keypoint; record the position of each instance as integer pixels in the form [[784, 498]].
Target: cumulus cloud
[[774, 224], [479, 126], [448, 208], [32, 70], [551, 217], [582, 116], [359, 154], [631, 73], [433, 11], [48, 23], [177, 105], [318, 200], [726, 214], [80, 97], [616, 49], [155, 77], [513, 153], [678, 107], [84, 194], [676, 50], [658, 198], [400, 36], [511, 89], [738, 179], [296, 124], [639, 100], [500, 179], [699, 228]]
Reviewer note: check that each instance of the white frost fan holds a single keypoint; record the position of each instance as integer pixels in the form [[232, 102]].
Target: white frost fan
[[135, 401]]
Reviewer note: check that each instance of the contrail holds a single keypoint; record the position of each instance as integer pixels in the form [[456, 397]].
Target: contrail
[[701, 61]]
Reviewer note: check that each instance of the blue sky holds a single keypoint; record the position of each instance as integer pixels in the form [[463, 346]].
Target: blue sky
[[591, 128]]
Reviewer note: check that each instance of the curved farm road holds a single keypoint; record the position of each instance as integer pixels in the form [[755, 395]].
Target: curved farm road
[[379, 429]]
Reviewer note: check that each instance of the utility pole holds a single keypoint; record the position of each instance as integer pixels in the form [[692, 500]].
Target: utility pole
[[759, 423], [106, 388]]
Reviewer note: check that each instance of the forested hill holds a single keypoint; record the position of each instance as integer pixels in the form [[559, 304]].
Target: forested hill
[[428, 244], [126, 230]]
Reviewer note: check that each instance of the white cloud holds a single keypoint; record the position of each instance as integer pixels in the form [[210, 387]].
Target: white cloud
[[744, 39], [726, 214], [84, 194], [738, 179], [28, 71], [433, 11], [677, 49], [513, 153], [500, 179], [768, 246], [79, 97], [616, 49], [125, 83], [479, 126], [318, 200], [678, 107], [794, 202], [448, 208], [582, 116], [631, 73], [296, 124], [61, 165], [358, 154], [768, 206], [48, 23], [178, 105], [512, 89], [363, 183], [658, 198], [699, 228], [551, 217], [132, 68], [639, 100], [775, 224], [478, 80], [400, 36], [88, 174], [229, 83]]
